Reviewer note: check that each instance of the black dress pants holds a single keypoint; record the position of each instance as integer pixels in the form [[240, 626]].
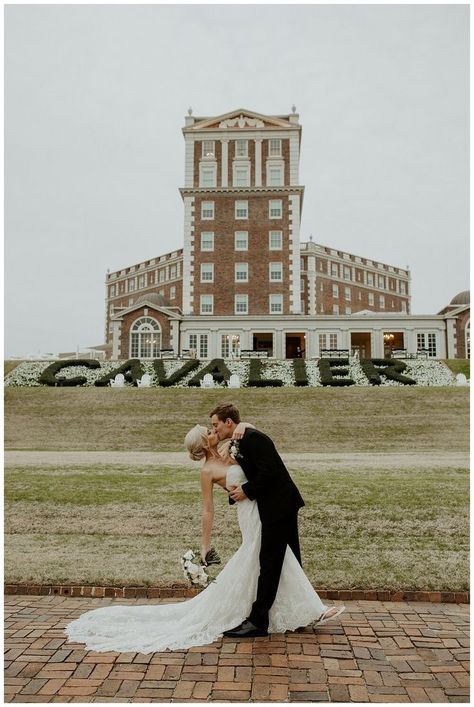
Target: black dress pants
[[275, 538]]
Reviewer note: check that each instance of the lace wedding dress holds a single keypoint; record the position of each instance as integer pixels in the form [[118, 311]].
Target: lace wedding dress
[[224, 604]]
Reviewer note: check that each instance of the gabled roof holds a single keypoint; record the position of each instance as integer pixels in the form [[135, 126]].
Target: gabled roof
[[244, 119], [144, 302]]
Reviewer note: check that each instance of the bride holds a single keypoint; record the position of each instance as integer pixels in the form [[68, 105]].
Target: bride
[[227, 601]]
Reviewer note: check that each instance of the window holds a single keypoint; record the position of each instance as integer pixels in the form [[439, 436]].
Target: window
[[275, 208], [275, 240], [145, 338], [370, 279], [207, 210], [348, 310], [371, 299], [172, 272], [196, 340], [381, 281], [427, 342], [208, 149], [347, 273], [302, 286], [241, 272], [230, 345], [335, 291], [141, 281], [241, 175], [275, 176], [241, 240], [207, 240], [327, 341], [241, 304], [207, 272], [241, 148], [334, 269], [403, 287], [172, 292], [112, 291], [207, 176], [335, 309], [276, 272], [404, 306], [276, 304], [241, 209], [207, 304], [274, 148], [347, 294], [382, 302], [131, 284]]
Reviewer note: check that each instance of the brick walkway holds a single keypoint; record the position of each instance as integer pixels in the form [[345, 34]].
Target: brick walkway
[[375, 652]]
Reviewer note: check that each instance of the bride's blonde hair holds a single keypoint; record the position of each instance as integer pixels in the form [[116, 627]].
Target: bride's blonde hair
[[194, 442]]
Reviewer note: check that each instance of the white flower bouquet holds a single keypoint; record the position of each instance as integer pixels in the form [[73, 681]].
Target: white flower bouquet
[[194, 571]]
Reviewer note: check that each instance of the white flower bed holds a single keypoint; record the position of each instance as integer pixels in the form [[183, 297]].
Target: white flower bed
[[425, 373]]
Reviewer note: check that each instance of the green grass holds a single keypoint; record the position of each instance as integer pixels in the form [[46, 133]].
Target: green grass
[[459, 365], [313, 420], [384, 529], [9, 366]]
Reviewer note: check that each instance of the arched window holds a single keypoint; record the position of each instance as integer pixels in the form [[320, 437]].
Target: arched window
[[467, 334], [145, 338]]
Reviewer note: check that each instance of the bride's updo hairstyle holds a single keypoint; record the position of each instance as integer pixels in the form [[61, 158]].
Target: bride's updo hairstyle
[[194, 442]]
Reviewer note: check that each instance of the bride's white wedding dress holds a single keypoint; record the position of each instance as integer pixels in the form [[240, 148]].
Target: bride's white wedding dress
[[224, 604]]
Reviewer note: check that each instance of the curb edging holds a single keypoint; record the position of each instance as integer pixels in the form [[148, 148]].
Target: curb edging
[[179, 590]]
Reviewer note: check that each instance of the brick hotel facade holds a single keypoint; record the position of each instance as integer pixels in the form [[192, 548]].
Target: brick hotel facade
[[243, 279]]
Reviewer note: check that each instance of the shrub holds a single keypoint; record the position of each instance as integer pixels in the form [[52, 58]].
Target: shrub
[[131, 369], [388, 367], [48, 377], [166, 381], [255, 376], [329, 368], [299, 369], [217, 368]]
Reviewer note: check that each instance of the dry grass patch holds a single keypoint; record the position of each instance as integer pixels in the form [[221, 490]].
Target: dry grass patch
[[384, 528], [317, 419]]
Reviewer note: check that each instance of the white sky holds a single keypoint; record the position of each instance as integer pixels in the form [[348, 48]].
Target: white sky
[[95, 98]]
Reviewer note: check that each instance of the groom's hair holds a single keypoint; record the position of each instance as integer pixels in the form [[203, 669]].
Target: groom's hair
[[226, 410]]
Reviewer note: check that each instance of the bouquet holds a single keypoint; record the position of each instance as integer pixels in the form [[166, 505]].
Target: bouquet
[[194, 570]]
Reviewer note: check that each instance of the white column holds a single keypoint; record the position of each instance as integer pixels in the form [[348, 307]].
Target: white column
[[225, 163], [450, 340], [174, 335], [188, 161], [311, 269], [188, 255], [410, 341], [295, 255], [294, 158], [116, 340], [258, 163], [278, 343], [213, 350]]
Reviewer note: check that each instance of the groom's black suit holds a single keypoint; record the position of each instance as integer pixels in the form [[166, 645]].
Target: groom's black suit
[[278, 501]]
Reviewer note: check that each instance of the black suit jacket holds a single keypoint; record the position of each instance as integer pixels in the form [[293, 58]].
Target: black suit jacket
[[269, 482]]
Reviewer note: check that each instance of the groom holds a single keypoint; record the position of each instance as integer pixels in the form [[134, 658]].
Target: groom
[[278, 501]]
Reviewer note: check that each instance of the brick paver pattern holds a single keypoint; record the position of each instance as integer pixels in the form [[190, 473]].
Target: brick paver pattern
[[375, 652]]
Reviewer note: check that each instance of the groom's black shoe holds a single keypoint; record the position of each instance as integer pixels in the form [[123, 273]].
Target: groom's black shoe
[[246, 630]]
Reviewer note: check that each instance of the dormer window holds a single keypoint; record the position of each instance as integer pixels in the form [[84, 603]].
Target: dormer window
[[208, 148]]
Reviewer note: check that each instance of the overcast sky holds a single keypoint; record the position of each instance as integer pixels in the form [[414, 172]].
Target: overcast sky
[[95, 99]]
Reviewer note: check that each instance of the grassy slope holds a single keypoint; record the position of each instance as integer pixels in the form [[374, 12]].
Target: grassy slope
[[459, 365], [316, 419], [389, 528], [366, 529]]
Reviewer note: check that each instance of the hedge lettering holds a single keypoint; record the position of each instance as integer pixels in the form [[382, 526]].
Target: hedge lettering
[[48, 377]]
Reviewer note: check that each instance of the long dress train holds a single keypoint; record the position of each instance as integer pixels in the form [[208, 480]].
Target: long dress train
[[225, 603]]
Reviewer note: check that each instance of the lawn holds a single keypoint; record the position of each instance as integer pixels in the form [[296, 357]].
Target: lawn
[[377, 524], [459, 365], [299, 419], [383, 529]]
